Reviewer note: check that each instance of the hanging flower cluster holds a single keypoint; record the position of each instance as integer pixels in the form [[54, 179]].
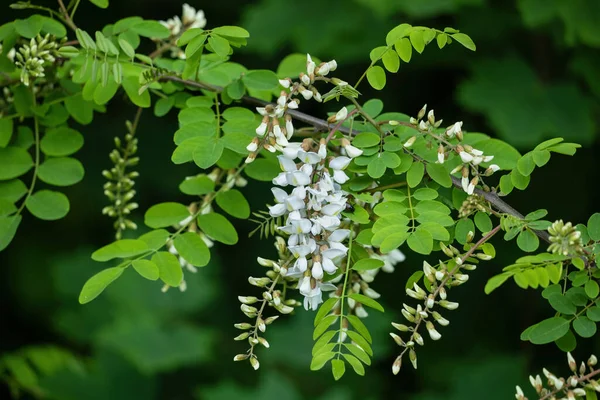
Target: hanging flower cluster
[[312, 211], [32, 57]]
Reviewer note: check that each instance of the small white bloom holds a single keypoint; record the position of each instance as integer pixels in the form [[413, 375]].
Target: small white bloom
[[262, 129], [440, 157], [252, 147], [465, 183], [339, 163], [310, 65], [285, 83], [317, 270], [465, 157], [308, 157], [341, 115], [352, 151]]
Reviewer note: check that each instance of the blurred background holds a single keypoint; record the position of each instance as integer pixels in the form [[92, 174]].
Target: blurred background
[[535, 75]]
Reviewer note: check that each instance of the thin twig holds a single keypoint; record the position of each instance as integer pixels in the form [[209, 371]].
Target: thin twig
[[65, 13]]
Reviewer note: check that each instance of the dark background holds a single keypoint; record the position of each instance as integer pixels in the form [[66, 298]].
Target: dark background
[[535, 75]]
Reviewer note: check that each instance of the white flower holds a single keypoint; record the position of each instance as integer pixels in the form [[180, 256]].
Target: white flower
[[440, 157], [310, 65], [252, 147], [339, 163], [317, 270], [285, 83], [262, 129], [341, 115], [465, 183], [173, 24], [494, 168], [308, 157], [193, 19], [465, 157], [352, 151]]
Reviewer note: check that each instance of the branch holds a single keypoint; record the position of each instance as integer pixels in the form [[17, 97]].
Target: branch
[[324, 126], [66, 16]]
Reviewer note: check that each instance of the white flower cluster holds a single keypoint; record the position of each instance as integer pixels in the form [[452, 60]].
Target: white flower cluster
[[472, 157], [272, 134], [190, 19], [312, 212]]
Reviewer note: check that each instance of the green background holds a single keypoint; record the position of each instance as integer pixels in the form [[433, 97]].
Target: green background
[[535, 75]]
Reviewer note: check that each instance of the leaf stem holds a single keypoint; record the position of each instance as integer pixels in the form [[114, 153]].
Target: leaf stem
[[37, 158]]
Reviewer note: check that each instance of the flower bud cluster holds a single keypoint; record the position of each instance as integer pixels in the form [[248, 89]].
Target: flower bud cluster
[[571, 388], [312, 212], [473, 204], [470, 157], [119, 188], [565, 239], [253, 307], [432, 295], [31, 57], [276, 128]]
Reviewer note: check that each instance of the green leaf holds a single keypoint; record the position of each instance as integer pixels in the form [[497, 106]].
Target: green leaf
[[15, 162], [397, 33], [155, 239], [132, 88], [30, 27], [48, 205], [505, 156], [207, 152], [584, 327], [393, 240], [404, 49], [367, 264], [6, 130], [166, 214], [146, 268], [197, 185], [218, 228], [415, 174], [417, 40], [123, 248], [61, 141], [190, 35], [562, 304], [376, 77], [219, 45], [127, 48], [366, 139], [359, 326], [366, 301], [321, 344], [420, 241], [376, 167], [361, 341], [262, 170], [390, 60], [234, 203], [593, 227], [495, 282], [8, 229], [439, 174], [324, 309], [151, 29], [261, 80], [100, 3], [62, 171], [465, 40], [81, 110], [192, 248], [528, 241], [441, 39], [319, 361], [323, 324], [483, 222], [356, 364], [338, 367], [163, 106], [231, 31], [519, 180], [549, 330], [358, 353], [593, 313], [425, 194], [463, 227], [567, 343], [592, 289], [535, 215], [526, 165], [53, 27], [12, 190], [97, 283], [169, 269]]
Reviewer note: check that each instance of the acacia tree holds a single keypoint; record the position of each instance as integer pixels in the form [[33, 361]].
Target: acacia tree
[[350, 189]]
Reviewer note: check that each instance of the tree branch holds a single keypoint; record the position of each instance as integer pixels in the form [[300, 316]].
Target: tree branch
[[323, 126]]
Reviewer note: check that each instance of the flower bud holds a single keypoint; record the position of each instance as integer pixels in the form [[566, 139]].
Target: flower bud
[[240, 357], [449, 305], [397, 339], [254, 362], [412, 356], [401, 327], [422, 112], [397, 365]]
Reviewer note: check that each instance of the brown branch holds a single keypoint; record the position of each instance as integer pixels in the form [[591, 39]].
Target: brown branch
[[323, 126], [66, 15]]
